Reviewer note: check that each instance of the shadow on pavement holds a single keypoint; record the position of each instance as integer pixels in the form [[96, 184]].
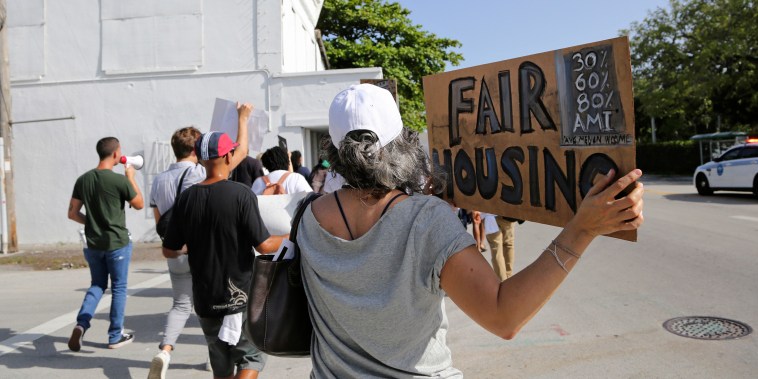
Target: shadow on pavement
[[148, 329], [43, 354], [52, 352], [6, 333], [717, 198], [666, 179]]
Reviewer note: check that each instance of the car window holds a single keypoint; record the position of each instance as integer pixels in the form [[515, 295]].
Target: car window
[[731, 154], [749, 152]]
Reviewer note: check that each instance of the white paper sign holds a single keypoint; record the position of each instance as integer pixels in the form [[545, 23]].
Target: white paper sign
[[225, 120], [277, 211], [286, 251]]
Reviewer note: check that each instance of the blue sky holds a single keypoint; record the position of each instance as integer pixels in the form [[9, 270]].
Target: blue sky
[[495, 30]]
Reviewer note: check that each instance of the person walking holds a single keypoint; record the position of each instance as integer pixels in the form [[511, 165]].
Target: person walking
[[477, 228], [108, 248], [297, 165], [501, 238], [219, 222], [163, 195], [318, 176], [378, 257], [248, 170], [276, 161]]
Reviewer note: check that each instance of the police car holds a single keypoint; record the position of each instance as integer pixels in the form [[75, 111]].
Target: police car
[[735, 170]]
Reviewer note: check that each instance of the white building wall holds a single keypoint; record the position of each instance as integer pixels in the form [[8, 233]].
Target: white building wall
[[79, 39], [300, 104], [49, 156], [143, 88]]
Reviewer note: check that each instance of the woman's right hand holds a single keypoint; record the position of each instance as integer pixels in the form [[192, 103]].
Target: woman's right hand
[[601, 213]]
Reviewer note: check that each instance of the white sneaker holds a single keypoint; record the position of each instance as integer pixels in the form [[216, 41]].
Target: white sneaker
[[208, 364], [159, 365]]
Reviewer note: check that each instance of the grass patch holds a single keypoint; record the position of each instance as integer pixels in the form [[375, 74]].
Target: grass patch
[[47, 258]]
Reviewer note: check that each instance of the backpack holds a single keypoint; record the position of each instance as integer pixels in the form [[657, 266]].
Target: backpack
[[274, 188], [162, 225]]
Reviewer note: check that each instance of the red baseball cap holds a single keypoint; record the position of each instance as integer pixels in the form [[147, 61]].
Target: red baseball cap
[[213, 145]]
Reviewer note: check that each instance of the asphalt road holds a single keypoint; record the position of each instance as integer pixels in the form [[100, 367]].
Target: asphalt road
[[696, 256]]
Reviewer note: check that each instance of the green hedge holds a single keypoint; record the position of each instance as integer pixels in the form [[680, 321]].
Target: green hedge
[[671, 157]]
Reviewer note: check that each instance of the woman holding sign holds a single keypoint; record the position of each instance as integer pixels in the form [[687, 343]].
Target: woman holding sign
[[378, 257]]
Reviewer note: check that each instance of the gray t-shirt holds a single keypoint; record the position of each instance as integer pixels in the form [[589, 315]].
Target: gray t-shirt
[[163, 191], [376, 303]]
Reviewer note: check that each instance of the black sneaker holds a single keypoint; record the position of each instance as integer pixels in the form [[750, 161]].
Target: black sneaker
[[126, 338], [75, 342]]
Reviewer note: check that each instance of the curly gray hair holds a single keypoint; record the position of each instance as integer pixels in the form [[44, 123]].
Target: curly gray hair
[[401, 164]]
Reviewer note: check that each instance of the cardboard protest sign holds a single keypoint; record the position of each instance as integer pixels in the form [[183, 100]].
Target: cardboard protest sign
[[526, 137]]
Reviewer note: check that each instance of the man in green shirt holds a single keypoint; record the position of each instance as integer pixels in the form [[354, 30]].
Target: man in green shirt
[[108, 249]]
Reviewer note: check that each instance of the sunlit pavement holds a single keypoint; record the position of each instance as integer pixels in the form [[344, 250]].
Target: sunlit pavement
[[695, 256]]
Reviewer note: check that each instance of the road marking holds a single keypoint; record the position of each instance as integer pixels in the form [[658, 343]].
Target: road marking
[[39, 331], [746, 218]]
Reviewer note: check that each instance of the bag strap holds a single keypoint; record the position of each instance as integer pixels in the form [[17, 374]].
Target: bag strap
[[281, 180], [299, 215], [179, 187], [266, 181]]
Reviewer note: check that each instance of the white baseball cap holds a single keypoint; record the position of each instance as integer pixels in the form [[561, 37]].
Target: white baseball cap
[[364, 107]]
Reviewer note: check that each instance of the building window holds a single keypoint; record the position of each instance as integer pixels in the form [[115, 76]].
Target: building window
[[26, 39], [298, 42], [149, 36]]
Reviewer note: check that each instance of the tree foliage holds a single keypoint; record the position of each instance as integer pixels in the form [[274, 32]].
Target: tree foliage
[[695, 66], [376, 33]]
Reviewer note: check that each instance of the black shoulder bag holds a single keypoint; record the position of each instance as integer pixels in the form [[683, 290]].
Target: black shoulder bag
[[162, 225], [278, 320]]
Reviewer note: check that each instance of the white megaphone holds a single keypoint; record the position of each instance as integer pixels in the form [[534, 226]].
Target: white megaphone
[[136, 161]]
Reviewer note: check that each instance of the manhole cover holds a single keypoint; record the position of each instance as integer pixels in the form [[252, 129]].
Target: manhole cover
[[707, 328]]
